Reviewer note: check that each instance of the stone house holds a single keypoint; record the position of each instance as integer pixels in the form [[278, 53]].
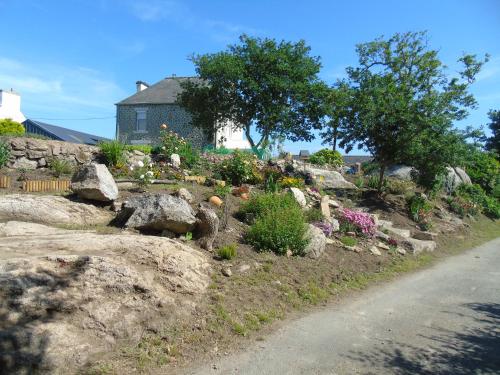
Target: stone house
[[139, 117]]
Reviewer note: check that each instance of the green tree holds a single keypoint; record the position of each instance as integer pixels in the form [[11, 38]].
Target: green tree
[[10, 127], [493, 143], [263, 84], [402, 97]]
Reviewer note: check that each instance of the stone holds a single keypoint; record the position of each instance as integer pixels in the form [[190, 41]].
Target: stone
[[94, 182], [454, 178], [401, 251], [330, 241], [335, 225], [418, 246], [330, 179], [85, 293], [375, 251], [382, 235], [244, 268], [157, 212], [401, 172], [333, 203], [299, 196], [226, 271], [425, 236], [207, 227], [24, 163], [184, 193], [42, 163], [317, 242], [383, 246], [215, 200], [51, 210], [18, 144], [325, 207], [245, 196], [388, 226], [175, 160]]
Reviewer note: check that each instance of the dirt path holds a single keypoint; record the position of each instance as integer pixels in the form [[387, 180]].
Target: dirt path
[[445, 319]]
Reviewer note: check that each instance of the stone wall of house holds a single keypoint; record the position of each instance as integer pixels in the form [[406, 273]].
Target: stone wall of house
[[177, 119], [32, 153]]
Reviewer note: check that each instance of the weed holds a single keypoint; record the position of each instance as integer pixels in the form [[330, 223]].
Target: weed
[[227, 252], [60, 167], [188, 236], [113, 152]]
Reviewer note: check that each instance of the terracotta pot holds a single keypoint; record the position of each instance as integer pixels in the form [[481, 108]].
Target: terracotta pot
[[216, 201], [244, 196]]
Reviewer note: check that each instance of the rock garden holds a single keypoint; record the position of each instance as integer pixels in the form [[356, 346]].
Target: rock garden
[[155, 257]]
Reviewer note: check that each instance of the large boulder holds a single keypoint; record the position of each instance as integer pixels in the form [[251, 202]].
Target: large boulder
[[401, 172], [299, 196], [317, 242], [94, 182], [67, 297], [329, 179], [52, 210], [454, 178], [158, 212]]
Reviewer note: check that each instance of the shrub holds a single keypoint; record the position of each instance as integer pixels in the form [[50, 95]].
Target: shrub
[[327, 157], [113, 152], [483, 169], [145, 149], [399, 187], [261, 204], [420, 210], [271, 177], [4, 153], [472, 199], [349, 241], [359, 182], [172, 143], [60, 167], [227, 252], [9, 127], [222, 191], [373, 181], [279, 230], [240, 168], [313, 214], [361, 222], [288, 182]]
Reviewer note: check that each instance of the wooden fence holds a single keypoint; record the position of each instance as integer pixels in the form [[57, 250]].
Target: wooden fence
[[46, 185], [5, 182]]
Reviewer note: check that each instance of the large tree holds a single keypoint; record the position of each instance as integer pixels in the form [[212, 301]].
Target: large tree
[[259, 84], [403, 97], [493, 143]]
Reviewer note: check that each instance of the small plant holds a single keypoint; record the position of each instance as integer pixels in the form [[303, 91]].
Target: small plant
[[373, 182], [349, 241], [172, 143], [359, 182], [261, 204], [144, 173], [23, 174], [420, 210], [327, 157], [240, 168], [288, 182], [4, 153], [60, 167], [313, 215], [9, 127], [145, 149], [271, 179], [471, 200], [188, 236], [222, 191], [361, 222], [113, 152], [227, 252], [399, 187]]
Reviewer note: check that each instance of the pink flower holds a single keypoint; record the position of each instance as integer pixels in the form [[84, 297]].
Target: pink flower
[[363, 221]]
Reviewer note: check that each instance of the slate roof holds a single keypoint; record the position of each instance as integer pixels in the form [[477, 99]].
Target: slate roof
[[60, 133], [353, 159], [163, 92]]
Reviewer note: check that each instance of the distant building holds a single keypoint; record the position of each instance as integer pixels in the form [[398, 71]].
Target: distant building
[[10, 106], [139, 117], [61, 134]]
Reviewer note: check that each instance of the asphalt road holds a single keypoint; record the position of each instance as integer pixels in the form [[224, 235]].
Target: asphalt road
[[442, 320]]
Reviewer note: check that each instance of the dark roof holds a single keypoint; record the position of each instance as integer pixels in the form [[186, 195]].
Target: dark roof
[[353, 159], [163, 92], [61, 134], [304, 153]]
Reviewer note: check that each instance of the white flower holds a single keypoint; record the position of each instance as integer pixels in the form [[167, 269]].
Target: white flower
[[131, 168], [163, 148], [149, 173], [150, 165], [141, 177], [140, 164], [176, 148]]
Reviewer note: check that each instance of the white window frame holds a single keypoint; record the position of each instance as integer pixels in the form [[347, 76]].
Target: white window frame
[[141, 111]]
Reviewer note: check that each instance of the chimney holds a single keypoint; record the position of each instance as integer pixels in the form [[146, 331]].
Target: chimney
[[141, 86], [10, 106]]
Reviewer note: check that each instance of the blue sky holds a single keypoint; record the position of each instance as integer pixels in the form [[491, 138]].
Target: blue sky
[[73, 59]]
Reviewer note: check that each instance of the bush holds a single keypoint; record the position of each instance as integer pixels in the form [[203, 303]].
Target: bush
[[349, 241], [145, 149], [279, 230], [217, 151], [9, 127], [261, 204], [313, 214], [227, 252], [399, 187], [360, 222], [172, 143], [60, 167], [420, 210], [373, 181], [483, 169], [113, 152], [472, 199], [4, 153], [327, 157], [240, 168], [271, 177]]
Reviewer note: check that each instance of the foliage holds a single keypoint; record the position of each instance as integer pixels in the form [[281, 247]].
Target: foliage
[[472, 199], [349, 241], [144, 173], [9, 127], [60, 167], [327, 228], [400, 95], [313, 215], [327, 157], [399, 187], [279, 230], [227, 252], [361, 222], [145, 149], [493, 143], [259, 84], [259, 205], [483, 169], [359, 182], [374, 183], [4, 153], [288, 182], [338, 113], [172, 143], [240, 168], [113, 152], [271, 177], [222, 191], [420, 210]]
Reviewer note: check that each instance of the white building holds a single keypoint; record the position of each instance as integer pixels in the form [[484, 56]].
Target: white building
[[10, 106]]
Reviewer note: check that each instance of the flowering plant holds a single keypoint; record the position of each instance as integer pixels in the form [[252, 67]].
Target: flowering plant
[[172, 143], [362, 222], [240, 168], [292, 182], [327, 228], [143, 172]]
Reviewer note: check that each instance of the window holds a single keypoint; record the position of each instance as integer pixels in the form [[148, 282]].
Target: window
[[140, 125]]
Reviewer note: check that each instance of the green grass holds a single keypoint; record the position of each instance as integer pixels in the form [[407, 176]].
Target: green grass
[[349, 241], [227, 252]]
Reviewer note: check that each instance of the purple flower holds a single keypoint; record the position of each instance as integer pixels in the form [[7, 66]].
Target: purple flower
[[327, 228]]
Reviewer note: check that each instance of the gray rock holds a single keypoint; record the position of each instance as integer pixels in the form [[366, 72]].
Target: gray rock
[[329, 179], [325, 207], [299, 196], [388, 226], [94, 182], [226, 271], [24, 163], [158, 212], [335, 225], [175, 159], [52, 210], [244, 268], [207, 227], [401, 172], [454, 178], [317, 242], [375, 251], [184, 193], [418, 246], [425, 236]]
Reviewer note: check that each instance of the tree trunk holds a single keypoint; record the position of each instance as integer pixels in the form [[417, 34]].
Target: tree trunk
[[334, 148], [249, 137], [381, 178]]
